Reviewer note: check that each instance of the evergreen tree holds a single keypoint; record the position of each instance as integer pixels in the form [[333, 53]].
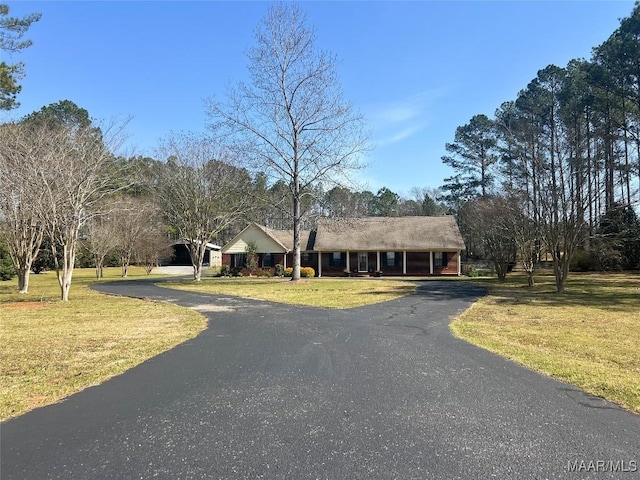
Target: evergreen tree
[[12, 30]]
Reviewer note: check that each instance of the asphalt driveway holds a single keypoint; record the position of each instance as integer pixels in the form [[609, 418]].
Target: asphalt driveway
[[275, 391]]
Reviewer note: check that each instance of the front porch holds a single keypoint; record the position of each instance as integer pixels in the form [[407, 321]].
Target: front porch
[[378, 263]]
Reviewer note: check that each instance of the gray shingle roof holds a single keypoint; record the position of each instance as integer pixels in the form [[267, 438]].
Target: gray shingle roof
[[285, 237], [389, 234]]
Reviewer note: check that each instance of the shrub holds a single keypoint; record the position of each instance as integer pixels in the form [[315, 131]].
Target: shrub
[[583, 261], [252, 261], [7, 272], [469, 269], [225, 270], [279, 270], [307, 272], [304, 272], [214, 271]]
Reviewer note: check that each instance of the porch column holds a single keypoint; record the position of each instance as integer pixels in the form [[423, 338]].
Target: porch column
[[431, 263], [348, 261], [459, 259], [378, 261], [284, 260], [404, 262], [319, 264]]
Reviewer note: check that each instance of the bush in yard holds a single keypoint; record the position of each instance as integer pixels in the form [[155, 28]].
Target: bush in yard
[[469, 269], [279, 270], [252, 261], [307, 272], [304, 272], [7, 272], [215, 271], [225, 271]]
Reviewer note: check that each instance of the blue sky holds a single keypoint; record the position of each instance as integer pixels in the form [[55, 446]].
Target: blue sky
[[416, 70]]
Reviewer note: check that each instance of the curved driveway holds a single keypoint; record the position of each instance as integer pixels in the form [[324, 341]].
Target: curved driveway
[[275, 391]]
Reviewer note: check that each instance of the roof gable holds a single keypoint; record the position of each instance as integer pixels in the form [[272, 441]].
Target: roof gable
[[254, 233], [267, 240]]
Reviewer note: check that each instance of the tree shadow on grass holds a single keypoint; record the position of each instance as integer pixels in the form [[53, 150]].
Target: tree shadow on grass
[[611, 292]]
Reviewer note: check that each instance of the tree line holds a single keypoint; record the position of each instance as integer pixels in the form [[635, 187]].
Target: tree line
[[557, 170], [66, 194]]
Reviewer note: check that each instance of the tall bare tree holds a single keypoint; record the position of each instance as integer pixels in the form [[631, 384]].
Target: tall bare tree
[[200, 191], [23, 151], [133, 219], [291, 120], [76, 170]]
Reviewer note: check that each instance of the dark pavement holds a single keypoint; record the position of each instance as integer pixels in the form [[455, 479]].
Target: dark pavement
[[275, 391]]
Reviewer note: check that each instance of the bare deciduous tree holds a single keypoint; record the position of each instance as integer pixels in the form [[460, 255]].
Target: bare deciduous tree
[[291, 120], [101, 240], [526, 235], [488, 220], [79, 175], [23, 150], [200, 191], [151, 249], [133, 219]]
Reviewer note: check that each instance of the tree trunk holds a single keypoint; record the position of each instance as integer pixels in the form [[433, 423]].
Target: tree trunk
[[65, 273], [530, 279], [197, 249], [24, 246], [295, 276], [560, 270], [557, 273], [23, 279], [197, 272], [125, 261], [99, 267]]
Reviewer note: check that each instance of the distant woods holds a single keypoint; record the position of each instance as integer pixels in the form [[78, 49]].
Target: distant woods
[[563, 159]]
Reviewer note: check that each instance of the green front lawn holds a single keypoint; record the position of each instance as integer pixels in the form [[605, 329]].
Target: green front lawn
[[315, 292], [589, 337], [52, 349]]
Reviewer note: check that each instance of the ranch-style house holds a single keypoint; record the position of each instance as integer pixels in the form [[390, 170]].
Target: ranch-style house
[[394, 246]]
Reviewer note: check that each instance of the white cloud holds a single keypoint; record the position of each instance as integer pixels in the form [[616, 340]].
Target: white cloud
[[398, 120], [400, 135]]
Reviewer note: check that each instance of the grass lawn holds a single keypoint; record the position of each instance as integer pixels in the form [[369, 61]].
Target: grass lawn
[[315, 292], [589, 337], [51, 349]]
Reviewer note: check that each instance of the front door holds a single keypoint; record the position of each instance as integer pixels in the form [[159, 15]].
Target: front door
[[363, 262]]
